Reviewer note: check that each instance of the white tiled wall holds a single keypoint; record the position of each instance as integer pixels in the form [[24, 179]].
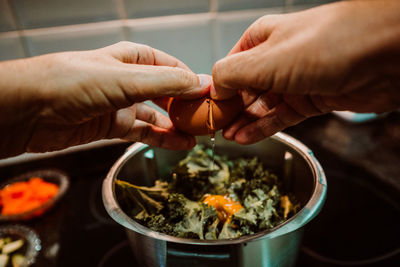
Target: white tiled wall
[[10, 46], [84, 37], [229, 27], [311, 2], [186, 37], [196, 31], [7, 22], [225, 5], [153, 8], [49, 13]]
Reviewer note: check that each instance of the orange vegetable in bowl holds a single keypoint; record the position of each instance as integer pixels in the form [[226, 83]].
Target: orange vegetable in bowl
[[224, 205], [22, 196]]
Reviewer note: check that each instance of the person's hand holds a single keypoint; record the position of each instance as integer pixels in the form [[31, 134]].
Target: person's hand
[[59, 100], [343, 56]]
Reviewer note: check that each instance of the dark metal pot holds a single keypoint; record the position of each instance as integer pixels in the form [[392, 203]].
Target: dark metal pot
[[290, 159]]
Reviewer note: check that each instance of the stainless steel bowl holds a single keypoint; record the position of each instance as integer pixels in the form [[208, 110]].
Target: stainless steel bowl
[[287, 157]]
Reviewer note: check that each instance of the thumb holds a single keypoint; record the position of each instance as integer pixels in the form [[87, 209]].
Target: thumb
[[244, 64], [256, 34], [252, 69], [143, 82]]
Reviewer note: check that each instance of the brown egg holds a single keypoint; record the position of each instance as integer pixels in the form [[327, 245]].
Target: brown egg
[[192, 116]]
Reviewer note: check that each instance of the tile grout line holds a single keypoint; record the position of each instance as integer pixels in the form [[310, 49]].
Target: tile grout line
[[125, 22], [19, 30], [213, 6], [121, 9], [123, 15], [213, 20], [147, 20], [288, 5]]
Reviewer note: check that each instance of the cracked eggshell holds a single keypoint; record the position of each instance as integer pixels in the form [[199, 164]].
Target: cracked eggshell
[[190, 116]]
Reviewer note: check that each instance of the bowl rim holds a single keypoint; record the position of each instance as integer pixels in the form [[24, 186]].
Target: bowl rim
[[302, 217], [46, 174], [31, 237]]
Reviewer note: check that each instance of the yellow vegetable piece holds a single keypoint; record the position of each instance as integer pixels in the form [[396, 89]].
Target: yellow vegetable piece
[[17, 260], [286, 205], [224, 205], [13, 246], [3, 260]]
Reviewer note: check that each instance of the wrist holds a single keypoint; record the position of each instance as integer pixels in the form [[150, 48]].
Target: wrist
[[20, 104]]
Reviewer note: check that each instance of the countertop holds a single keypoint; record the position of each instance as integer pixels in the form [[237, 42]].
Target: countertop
[[373, 146]]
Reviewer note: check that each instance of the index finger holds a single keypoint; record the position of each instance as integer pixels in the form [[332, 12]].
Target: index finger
[[256, 33], [133, 53]]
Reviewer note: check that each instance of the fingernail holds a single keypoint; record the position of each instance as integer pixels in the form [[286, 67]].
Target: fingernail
[[228, 135], [241, 137], [204, 80]]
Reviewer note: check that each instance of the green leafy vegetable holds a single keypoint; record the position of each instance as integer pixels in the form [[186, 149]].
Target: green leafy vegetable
[[228, 232], [174, 204]]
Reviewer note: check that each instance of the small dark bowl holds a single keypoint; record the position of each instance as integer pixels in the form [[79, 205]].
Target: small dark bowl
[[52, 176], [32, 241]]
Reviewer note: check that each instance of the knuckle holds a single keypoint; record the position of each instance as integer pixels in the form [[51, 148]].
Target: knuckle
[[152, 117], [264, 102], [144, 134], [276, 123], [144, 48], [186, 78], [268, 19], [125, 44]]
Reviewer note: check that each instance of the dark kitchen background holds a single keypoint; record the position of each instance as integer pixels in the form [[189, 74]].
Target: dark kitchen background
[[359, 224]]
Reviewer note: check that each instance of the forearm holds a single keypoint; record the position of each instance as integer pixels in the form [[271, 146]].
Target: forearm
[[378, 24], [354, 50], [376, 47], [20, 104]]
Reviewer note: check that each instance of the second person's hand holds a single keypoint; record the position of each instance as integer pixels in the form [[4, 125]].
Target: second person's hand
[[342, 56]]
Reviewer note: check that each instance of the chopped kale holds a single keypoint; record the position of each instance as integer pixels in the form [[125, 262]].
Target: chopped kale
[[193, 177], [229, 232], [174, 205]]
